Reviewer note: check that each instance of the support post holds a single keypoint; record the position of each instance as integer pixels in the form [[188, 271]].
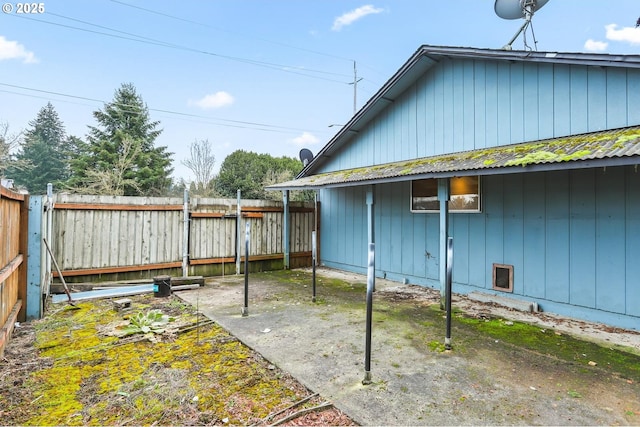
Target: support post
[[238, 231], [443, 197], [371, 220], [285, 229], [371, 279], [49, 237], [245, 309], [185, 235], [313, 265], [447, 338]]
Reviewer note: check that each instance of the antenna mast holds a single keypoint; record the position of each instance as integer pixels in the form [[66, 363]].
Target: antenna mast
[[514, 9], [355, 86]]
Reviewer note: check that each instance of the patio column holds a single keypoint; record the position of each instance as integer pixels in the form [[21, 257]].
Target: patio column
[[285, 228], [443, 197]]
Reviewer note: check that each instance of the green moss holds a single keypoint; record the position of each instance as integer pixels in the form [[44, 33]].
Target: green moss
[[565, 347], [142, 382], [531, 158]]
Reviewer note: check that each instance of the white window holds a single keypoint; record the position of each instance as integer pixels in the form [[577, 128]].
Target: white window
[[465, 195]]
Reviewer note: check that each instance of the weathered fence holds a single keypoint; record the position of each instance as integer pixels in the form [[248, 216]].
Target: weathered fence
[[115, 238], [13, 259]]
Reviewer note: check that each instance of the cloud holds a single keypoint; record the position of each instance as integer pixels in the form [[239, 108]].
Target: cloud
[[214, 100], [351, 17], [624, 34], [305, 139], [13, 50], [595, 46]]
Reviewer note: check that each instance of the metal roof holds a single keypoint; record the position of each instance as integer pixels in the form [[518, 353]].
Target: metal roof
[[426, 57], [596, 149]]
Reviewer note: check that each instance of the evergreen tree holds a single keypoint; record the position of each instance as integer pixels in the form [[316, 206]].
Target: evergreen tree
[[42, 154], [123, 142]]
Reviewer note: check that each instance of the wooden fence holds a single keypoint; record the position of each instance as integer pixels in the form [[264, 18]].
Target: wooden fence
[[115, 238], [13, 259]]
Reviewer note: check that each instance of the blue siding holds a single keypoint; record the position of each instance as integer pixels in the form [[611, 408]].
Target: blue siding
[[632, 246], [610, 238], [557, 237], [582, 270], [534, 258], [464, 104], [561, 105], [514, 229], [573, 237], [597, 99], [579, 99], [494, 231]]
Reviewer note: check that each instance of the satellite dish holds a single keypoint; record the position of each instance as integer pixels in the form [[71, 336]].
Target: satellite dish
[[518, 9], [306, 156]]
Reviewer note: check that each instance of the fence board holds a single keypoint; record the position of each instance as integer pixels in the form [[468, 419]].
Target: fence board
[[117, 234], [13, 236]]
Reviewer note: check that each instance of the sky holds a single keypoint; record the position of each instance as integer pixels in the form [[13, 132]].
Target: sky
[[268, 76]]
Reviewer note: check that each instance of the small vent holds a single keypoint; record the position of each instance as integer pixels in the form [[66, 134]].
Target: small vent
[[503, 277]]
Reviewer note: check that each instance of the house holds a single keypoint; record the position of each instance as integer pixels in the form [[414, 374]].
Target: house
[[528, 160]]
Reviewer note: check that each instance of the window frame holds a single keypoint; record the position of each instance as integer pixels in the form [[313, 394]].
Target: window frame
[[468, 211]]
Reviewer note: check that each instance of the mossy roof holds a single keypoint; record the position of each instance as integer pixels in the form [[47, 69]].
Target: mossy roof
[[604, 148]]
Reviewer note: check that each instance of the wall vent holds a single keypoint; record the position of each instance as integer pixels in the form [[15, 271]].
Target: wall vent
[[503, 277]]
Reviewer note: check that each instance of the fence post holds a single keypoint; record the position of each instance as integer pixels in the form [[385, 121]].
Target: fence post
[[35, 273], [185, 235]]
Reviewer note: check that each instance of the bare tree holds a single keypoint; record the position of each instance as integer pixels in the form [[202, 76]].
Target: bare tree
[[201, 161], [9, 142]]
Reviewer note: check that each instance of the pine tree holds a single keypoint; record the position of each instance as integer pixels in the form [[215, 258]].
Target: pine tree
[[123, 141], [42, 154]]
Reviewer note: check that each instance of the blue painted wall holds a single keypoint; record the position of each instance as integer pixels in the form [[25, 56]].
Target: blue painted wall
[[573, 238], [466, 104]]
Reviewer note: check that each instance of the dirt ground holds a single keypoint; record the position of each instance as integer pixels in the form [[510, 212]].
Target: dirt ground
[[506, 375]]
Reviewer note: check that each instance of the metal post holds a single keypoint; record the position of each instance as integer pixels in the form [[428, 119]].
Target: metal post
[[185, 235], [285, 229], [238, 230], [371, 279], [245, 310], [49, 235], [443, 197], [313, 264], [447, 338], [371, 219]]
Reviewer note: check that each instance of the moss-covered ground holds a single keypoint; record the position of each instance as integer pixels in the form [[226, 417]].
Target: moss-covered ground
[[196, 374]]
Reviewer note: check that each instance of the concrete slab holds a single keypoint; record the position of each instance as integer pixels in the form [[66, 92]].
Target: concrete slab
[[322, 345]]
